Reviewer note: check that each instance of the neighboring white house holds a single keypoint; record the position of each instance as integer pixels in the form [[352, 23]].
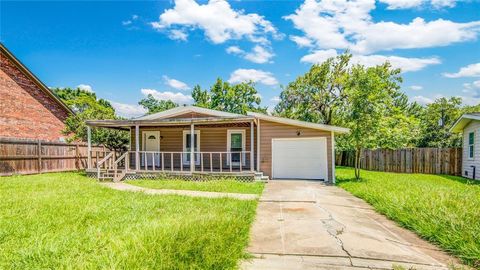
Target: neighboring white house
[[469, 125]]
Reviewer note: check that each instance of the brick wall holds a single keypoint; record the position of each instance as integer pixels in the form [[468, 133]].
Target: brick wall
[[25, 110]]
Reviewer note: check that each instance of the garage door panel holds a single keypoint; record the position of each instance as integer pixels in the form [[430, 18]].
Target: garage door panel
[[303, 158]]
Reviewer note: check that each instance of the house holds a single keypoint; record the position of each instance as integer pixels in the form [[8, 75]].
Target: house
[[28, 109], [469, 125], [223, 143]]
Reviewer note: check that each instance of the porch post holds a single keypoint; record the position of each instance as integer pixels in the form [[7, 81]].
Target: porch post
[[137, 147], [252, 142], [258, 145], [89, 147], [333, 157], [192, 148]]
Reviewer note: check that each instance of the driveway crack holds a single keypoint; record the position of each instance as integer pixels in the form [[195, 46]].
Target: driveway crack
[[335, 228]]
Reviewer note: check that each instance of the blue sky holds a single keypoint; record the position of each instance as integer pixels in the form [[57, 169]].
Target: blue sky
[[125, 50]]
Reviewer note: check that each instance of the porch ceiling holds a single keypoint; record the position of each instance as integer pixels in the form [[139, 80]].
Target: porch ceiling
[[207, 121]]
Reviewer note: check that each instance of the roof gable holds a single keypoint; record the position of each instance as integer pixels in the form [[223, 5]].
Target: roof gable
[[298, 123], [463, 121], [23, 69], [182, 110]]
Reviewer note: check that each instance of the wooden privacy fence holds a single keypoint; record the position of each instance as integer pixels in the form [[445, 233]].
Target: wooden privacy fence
[[33, 156], [409, 160]]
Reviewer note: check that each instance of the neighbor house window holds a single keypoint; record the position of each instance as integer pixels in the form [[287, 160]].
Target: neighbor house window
[[471, 144]]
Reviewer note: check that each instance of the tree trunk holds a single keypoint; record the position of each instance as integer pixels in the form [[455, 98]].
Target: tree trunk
[[357, 163]]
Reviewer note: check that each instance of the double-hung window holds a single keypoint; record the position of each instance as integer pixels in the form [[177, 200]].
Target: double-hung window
[[471, 144]]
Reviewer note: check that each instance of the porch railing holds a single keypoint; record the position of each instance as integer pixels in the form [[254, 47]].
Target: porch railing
[[223, 162], [174, 161]]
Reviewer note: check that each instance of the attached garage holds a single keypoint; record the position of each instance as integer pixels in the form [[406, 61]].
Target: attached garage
[[300, 158], [292, 149]]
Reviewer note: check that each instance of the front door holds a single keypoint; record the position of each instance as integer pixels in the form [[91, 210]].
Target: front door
[[151, 142], [187, 147]]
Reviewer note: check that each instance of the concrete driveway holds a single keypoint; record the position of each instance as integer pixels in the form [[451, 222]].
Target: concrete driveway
[[307, 225]]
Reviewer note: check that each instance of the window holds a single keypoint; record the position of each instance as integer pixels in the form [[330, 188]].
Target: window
[[471, 144], [235, 145], [187, 147]]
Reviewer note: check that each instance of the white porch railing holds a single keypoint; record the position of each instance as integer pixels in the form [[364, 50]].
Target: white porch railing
[[151, 161]]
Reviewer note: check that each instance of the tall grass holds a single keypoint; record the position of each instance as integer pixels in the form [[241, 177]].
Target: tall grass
[[442, 209], [68, 221]]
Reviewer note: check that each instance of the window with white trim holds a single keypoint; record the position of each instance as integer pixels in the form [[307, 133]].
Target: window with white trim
[[471, 144], [236, 145]]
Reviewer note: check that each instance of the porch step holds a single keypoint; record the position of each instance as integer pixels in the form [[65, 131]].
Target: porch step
[[260, 177]]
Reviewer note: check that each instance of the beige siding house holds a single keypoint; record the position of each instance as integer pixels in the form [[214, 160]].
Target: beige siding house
[[253, 145], [469, 126]]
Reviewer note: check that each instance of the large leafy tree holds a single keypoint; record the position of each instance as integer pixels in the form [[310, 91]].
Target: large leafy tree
[[370, 95], [234, 98], [318, 95], [87, 107], [436, 120], [154, 105]]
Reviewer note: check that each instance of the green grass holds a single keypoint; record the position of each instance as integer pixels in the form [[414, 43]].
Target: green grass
[[442, 209], [212, 185], [69, 221]]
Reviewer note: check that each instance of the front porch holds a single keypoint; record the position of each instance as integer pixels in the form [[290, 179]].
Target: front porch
[[221, 147]]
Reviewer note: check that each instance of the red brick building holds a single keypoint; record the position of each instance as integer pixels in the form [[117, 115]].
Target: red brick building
[[28, 109]]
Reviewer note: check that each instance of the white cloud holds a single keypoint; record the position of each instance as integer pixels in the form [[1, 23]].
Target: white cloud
[[258, 54], [85, 87], [472, 85], [275, 99], [472, 70], [406, 64], [302, 41], [177, 34], [422, 100], [404, 4], [234, 50], [349, 25], [176, 84], [254, 75], [443, 3], [179, 98], [218, 21], [130, 21], [416, 87], [128, 110]]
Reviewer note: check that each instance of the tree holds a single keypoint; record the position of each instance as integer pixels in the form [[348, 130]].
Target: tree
[[234, 98], [318, 95], [154, 105], [436, 120], [370, 95], [87, 107]]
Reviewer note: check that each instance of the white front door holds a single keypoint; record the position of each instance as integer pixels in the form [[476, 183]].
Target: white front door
[[302, 158], [151, 142], [186, 147]]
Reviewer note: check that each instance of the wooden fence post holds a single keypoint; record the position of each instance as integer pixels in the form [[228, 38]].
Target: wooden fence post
[[77, 157], [39, 155]]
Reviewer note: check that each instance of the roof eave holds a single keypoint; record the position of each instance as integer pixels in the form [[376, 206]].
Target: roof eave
[[287, 121], [462, 122]]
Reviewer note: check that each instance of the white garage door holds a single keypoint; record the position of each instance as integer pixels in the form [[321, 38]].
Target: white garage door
[[301, 158]]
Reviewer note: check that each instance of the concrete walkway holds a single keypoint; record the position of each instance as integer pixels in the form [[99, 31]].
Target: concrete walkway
[[206, 194], [307, 225]]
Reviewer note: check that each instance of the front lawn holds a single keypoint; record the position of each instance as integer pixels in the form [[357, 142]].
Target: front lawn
[[68, 221], [442, 209], [230, 186]]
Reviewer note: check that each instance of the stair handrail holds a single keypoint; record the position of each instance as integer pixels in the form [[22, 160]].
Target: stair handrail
[[100, 163], [115, 164]]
